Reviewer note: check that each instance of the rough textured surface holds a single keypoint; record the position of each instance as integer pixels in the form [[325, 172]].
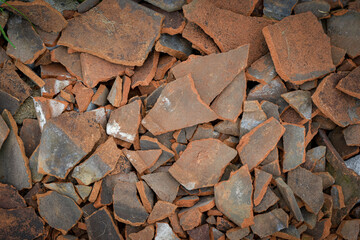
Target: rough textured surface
[[22, 223], [62, 217], [60, 149], [267, 135], [179, 106], [234, 197], [262, 70], [164, 231], [344, 32], [341, 108], [71, 61], [10, 198], [300, 101], [202, 163], [163, 184], [174, 45], [270, 223], [297, 60], [144, 74], [119, 43], [294, 146], [278, 9], [350, 84], [244, 30]]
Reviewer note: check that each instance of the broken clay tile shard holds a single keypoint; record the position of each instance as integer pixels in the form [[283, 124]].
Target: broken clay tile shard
[[174, 45], [244, 29], [350, 84], [299, 47], [351, 135], [269, 223], [262, 70], [234, 197], [53, 87], [349, 229], [27, 42], [54, 70], [267, 135], [344, 32], [71, 61], [83, 191], [164, 231], [64, 188], [10, 197], [83, 96], [252, 116], [174, 22], [179, 106], [40, 13], [59, 211], [194, 34], [11, 83], [127, 207], [146, 234], [228, 104], [100, 97], [341, 108], [163, 184], [168, 5], [202, 163], [99, 164], [22, 223], [320, 9], [147, 196], [100, 225], [14, 165], [213, 73], [245, 7], [268, 200], [338, 55], [300, 101], [124, 122], [336, 137], [142, 160], [190, 219], [95, 70], [165, 63], [118, 42], [337, 197], [278, 9], [313, 156], [4, 131], [301, 181], [48, 108], [161, 211], [115, 94], [289, 198], [200, 233], [294, 146], [262, 181], [66, 140], [144, 74]]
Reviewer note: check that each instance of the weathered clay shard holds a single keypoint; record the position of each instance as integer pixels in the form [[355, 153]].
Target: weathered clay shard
[[297, 60], [118, 42], [65, 141], [234, 197], [294, 146], [267, 135], [202, 163], [179, 106]]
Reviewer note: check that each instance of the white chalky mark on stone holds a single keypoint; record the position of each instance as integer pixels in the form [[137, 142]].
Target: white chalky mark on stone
[[113, 129], [57, 108], [167, 104], [189, 186], [40, 114], [60, 85]]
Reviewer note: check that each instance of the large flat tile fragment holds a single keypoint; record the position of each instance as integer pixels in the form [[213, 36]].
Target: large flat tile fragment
[[163, 184], [10, 197], [243, 30], [40, 13], [174, 45], [124, 122], [100, 225], [234, 197], [71, 61], [178, 106], [127, 207], [119, 43], [228, 104], [202, 163], [269, 223], [99, 164], [344, 32], [212, 73], [300, 101], [262, 181], [300, 181], [64, 188], [252, 116], [65, 141], [144, 74], [142, 160], [22, 223], [289, 198], [341, 108], [266, 135], [11, 83], [299, 47], [350, 84], [59, 211], [268, 200], [14, 165], [161, 211], [262, 70], [294, 146], [47, 108], [28, 44]]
